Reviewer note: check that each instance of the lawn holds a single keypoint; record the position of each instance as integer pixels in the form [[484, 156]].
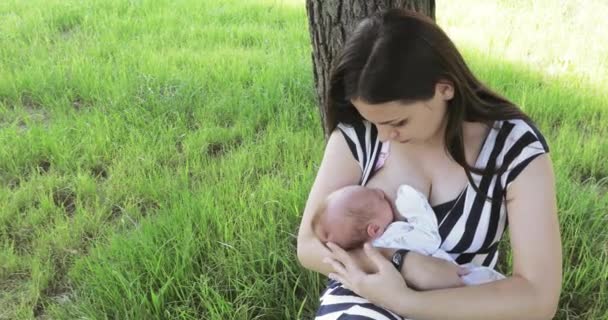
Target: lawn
[[156, 155]]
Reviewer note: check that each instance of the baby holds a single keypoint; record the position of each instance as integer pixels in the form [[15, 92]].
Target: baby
[[353, 215]]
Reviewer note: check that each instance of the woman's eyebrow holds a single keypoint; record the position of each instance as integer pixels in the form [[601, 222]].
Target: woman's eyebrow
[[390, 121]]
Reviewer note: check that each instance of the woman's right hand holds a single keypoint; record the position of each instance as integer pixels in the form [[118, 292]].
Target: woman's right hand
[[429, 273]]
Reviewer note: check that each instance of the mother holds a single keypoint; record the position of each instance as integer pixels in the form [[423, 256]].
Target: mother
[[403, 108]]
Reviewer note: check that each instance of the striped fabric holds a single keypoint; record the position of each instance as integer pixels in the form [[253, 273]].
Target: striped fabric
[[470, 226]]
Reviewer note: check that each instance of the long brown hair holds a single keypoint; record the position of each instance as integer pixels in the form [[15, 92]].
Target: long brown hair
[[400, 55]]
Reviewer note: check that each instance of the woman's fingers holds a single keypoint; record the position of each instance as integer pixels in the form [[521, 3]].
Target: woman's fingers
[[340, 255], [338, 267], [344, 264], [339, 262], [337, 251], [343, 280], [377, 258]]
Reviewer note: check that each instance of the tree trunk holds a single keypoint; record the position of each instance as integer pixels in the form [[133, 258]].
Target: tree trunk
[[330, 21]]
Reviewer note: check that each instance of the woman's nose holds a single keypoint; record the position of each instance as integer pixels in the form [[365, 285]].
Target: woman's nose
[[386, 133]]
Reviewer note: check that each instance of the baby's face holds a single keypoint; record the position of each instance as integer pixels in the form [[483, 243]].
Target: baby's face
[[374, 201], [357, 199]]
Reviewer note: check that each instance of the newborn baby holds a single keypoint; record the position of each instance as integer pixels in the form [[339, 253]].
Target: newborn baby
[[353, 215]]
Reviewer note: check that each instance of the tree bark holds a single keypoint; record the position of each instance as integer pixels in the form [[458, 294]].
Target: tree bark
[[330, 21]]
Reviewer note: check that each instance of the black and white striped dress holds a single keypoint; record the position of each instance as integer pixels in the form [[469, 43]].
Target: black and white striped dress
[[470, 226]]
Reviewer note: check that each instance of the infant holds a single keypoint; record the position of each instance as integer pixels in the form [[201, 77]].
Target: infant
[[353, 215]]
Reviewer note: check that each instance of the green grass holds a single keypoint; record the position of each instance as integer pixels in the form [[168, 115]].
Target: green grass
[[157, 154]]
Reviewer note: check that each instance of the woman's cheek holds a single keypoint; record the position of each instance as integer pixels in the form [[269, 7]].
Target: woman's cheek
[[407, 134]]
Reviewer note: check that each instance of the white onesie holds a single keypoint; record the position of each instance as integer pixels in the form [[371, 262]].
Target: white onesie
[[420, 233]]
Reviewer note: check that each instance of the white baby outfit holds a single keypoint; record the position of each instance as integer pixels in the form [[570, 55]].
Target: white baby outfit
[[420, 233]]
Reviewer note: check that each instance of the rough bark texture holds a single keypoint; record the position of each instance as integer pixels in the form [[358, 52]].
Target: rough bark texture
[[330, 21]]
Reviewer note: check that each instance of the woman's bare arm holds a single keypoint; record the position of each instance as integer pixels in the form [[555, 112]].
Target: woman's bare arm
[[338, 169], [532, 292]]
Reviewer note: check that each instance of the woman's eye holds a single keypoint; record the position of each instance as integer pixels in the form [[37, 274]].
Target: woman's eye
[[400, 123]]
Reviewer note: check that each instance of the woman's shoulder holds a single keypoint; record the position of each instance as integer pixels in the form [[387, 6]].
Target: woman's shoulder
[[359, 135], [356, 130], [515, 143], [362, 140], [518, 133]]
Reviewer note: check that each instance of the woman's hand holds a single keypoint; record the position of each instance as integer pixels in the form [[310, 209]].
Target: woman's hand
[[379, 288], [429, 273]]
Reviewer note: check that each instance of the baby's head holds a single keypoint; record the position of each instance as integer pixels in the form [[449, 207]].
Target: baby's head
[[352, 215]]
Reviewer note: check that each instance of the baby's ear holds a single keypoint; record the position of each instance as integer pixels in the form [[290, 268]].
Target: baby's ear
[[373, 230]]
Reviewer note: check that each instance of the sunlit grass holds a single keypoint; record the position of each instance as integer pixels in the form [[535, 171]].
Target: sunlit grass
[[552, 38], [157, 154]]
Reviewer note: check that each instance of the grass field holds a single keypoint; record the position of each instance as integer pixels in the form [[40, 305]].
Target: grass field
[[156, 155]]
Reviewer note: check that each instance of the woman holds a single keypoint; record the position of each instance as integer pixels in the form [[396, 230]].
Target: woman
[[403, 108]]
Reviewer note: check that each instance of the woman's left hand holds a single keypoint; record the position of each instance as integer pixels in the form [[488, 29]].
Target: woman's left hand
[[379, 288]]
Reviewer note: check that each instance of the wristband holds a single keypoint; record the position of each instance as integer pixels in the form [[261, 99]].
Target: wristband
[[398, 258]]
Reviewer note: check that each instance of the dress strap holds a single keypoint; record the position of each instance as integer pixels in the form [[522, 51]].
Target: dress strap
[[363, 142]]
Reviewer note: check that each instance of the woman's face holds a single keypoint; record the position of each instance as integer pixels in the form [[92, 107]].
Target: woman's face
[[415, 122]]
